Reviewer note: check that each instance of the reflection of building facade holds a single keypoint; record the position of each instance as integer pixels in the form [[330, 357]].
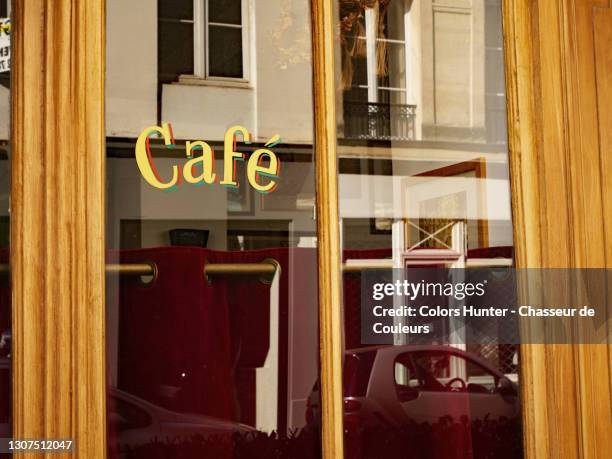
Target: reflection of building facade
[[398, 83], [158, 77], [410, 70], [423, 71]]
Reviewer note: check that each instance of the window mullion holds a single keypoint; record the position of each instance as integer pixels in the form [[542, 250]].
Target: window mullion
[[408, 56], [371, 20], [205, 38], [199, 38], [244, 23]]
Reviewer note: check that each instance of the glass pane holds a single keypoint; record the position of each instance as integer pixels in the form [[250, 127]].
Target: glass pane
[[360, 72], [212, 315], [175, 9], [5, 186], [225, 11], [354, 51], [393, 20], [175, 50], [423, 182], [392, 74], [225, 51]]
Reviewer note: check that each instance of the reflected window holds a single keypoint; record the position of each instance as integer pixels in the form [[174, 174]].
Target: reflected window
[[200, 38], [377, 104]]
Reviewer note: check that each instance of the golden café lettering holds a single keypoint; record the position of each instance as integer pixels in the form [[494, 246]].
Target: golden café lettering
[[200, 167]]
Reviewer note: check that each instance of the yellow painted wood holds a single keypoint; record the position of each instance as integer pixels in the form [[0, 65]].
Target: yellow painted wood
[[329, 250], [561, 180], [57, 220]]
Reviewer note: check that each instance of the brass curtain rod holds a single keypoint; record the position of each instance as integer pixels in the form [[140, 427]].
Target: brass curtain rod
[[264, 268], [213, 269]]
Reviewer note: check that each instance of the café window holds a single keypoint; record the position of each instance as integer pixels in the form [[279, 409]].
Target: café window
[[201, 39]]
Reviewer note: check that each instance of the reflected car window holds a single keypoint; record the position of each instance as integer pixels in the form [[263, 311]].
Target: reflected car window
[[437, 371]]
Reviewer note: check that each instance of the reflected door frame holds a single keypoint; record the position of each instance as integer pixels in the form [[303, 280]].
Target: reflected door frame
[[58, 214]]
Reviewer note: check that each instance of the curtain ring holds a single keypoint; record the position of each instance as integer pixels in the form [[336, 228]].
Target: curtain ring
[[153, 277], [268, 278]]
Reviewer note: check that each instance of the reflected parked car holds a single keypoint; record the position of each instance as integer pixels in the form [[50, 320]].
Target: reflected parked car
[[5, 397], [136, 422], [405, 401]]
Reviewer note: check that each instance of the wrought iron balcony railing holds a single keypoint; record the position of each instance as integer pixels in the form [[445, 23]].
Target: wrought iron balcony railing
[[379, 121]]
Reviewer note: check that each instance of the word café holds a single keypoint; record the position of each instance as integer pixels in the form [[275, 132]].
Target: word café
[[262, 167]]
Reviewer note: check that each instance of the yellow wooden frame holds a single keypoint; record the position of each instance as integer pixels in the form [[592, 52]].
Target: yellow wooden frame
[[328, 228], [57, 220], [559, 177]]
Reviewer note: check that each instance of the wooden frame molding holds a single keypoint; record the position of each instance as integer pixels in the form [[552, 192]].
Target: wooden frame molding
[[57, 223], [560, 175], [328, 227]]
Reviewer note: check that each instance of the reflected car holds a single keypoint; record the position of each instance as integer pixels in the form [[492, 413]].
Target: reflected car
[[135, 422], [5, 397], [399, 397]]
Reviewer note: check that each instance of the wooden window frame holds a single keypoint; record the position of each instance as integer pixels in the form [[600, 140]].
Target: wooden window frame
[[58, 216], [559, 174]]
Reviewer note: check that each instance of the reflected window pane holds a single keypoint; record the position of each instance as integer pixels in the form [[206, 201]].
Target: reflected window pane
[[225, 11], [225, 58], [175, 50], [175, 9]]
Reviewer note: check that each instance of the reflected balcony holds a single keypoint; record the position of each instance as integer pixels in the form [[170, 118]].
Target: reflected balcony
[[379, 121]]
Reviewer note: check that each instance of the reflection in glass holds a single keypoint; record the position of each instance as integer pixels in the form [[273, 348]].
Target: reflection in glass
[[423, 181], [200, 39], [206, 361], [225, 11], [225, 51]]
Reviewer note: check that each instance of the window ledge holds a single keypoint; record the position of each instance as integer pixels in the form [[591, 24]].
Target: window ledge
[[193, 80]]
